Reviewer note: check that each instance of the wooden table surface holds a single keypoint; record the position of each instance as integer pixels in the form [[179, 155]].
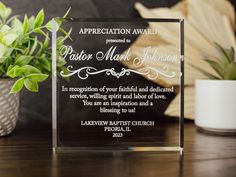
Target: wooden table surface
[[27, 153]]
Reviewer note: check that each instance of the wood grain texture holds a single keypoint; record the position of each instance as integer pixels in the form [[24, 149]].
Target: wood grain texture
[[28, 153]]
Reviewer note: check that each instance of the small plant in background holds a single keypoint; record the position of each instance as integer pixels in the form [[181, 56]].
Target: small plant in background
[[225, 66], [25, 53]]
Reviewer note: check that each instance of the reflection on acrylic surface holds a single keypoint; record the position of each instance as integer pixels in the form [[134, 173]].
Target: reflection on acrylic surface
[[110, 108]]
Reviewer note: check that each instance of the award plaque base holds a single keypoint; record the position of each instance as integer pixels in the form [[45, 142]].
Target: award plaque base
[[112, 94]]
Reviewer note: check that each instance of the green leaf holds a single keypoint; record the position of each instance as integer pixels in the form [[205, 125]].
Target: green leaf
[[230, 72], [39, 52], [46, 42], [61, 39], [4, 11], [49, 26], [216, 66], [39, 19], [8, 62], [35, 44], [17, 26], [9, 38], [60, 61], [37, 77], [20, 41], [67, 34], [11, 19], [18, 85], [230, 54], [2, 69], [2, 59], [27, 49], [31, 86], [223, 53], [67, 12], [5, 29], [39, 31], [23, 60], [11, 71], [45, 63], [59, 42], [60, 20], [19, 71], [9, 68], [209, 75], [30, 69], [2, 53], [26, 24], [31, 22], [2, 6], [15, 71], [8, 52]]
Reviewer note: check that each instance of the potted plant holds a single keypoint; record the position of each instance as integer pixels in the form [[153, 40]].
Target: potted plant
[[215, 107], [25, 60]]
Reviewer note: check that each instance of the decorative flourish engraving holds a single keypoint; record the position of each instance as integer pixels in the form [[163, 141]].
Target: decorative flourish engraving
[[149, 72]]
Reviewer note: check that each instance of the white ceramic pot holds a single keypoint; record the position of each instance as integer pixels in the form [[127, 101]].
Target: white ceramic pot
[[9, 107], [215, 105]]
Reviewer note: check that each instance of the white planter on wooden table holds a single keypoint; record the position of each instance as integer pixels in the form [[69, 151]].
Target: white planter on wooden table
[[215, 105]]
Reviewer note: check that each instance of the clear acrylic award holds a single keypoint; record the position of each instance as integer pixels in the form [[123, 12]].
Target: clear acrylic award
[[109, 96]]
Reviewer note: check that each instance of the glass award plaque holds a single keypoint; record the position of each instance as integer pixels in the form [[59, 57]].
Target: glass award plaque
[[111, 96]]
